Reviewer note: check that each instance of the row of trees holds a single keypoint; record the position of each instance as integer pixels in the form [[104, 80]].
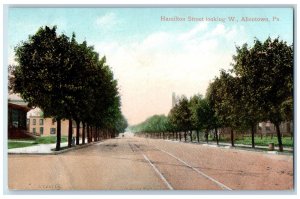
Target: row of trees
[[188, 115], [68, 80], [258, 88]]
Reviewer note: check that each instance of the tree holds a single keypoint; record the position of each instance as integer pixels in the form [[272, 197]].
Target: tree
[[41, 74], [152, 125], [67, 80], [181, 115], [245, 67], [203, 116], [224, 96], [194, 105], [121, 124], [173, 122], [267, 72]]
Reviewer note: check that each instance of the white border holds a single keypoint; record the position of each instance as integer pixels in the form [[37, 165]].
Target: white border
[[134, 2]]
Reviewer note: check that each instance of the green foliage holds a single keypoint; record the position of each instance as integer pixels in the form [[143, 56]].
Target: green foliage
[[32, 142], [224, 96], [12, 145], [67, 79], [267, 68], [156, 123], [266, 73], [49, 139], [39, 76], [265, 141], [203, 115], [121, 124], [181, 115]]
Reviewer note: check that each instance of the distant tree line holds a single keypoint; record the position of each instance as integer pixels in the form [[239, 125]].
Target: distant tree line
[[68, 80], [259, 87]]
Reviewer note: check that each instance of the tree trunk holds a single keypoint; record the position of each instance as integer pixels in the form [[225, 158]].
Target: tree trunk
[[95, 134], [191, 136], [217, 136], [99, 131], [58, 134], [252, 135], [83, 132], [70, 133], [88, 133], [173, 135], [184, 136], [77, 132], [198, 137], [231, 137], [279, 137], [92, 134], [206, 136], [179, 136], [288, 127]]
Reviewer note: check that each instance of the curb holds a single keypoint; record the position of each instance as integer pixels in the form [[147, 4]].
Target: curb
[[58, 152], [288, 153]]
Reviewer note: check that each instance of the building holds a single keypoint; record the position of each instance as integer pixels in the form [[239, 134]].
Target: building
[[17, 111], [173, 100], [263, 129], [38, 125], [266, 128]]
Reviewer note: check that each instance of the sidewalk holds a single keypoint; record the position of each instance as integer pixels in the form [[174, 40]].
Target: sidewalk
[[44, 148], [39, 148], [286, 150]]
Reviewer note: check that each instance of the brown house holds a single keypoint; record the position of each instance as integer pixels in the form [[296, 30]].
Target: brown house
[[17, 111]]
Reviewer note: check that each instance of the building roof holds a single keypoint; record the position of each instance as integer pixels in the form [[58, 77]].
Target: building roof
[[14, 100]]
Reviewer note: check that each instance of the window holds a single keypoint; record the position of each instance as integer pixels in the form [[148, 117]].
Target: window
[[41, 122], [34, 130], [15, 118], [53, 121], [41, 130], [34, 122], [28, 121], [268, 128], [52, 130]]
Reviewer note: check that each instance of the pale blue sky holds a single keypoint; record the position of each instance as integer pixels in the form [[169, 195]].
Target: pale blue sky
[[151, 58], [136, 23]]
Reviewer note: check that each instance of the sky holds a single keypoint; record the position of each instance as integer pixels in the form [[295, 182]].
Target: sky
[[151, 58]]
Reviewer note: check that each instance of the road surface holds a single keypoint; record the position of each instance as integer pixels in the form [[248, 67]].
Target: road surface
[[132, 163]]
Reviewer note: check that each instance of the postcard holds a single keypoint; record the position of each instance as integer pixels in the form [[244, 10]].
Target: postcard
[[139, 98]]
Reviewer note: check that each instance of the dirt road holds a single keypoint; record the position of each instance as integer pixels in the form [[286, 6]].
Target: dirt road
[[131, 163]]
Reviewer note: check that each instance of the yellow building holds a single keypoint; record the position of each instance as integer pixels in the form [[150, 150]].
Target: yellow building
[[38, 125]]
